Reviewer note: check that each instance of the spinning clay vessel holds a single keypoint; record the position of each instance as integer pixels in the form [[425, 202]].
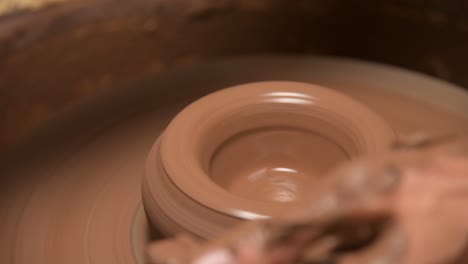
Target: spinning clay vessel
[[251, 151]]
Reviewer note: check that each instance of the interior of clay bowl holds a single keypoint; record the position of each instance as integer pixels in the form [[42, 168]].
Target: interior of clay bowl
[[276, 152], [274, 163], [266, 142]]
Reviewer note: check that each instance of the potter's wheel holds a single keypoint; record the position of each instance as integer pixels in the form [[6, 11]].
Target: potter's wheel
[[71, 192]]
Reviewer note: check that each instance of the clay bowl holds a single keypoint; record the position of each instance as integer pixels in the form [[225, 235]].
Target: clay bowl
[[250, 151]]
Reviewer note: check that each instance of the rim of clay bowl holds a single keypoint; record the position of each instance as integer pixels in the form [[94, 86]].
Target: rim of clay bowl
[[181, 146], [173, 212]]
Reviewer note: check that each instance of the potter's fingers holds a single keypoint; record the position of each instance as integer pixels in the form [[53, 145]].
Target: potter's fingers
[[176, 250], [293, 231], [312, 244], [357, 189], [388, 249], [426, 140], [414, 140], [369, 210]]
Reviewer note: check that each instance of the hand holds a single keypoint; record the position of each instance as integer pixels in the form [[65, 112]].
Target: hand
[[426, 195]]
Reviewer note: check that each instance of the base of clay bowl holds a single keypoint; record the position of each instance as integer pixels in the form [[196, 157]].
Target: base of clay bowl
[[251, 151]]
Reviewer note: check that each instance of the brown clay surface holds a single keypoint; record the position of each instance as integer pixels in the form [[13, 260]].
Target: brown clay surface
[[288, 118], [71, 193], [274, 165]]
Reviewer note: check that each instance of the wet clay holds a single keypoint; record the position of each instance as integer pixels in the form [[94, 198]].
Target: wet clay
[[278, 164], [78, 200], [247, 150]]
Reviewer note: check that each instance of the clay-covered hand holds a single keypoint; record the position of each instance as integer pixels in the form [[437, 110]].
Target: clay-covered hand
[[423, 191], [406, 208]]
